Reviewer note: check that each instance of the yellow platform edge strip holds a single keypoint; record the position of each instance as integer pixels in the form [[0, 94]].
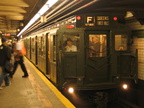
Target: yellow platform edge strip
[[62, 98]]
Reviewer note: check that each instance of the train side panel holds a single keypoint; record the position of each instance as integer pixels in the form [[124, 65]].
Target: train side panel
[[91, 54]]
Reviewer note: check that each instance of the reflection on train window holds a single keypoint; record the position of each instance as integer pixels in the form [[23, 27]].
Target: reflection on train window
[[71, 42], [97, 45], [120, 42]]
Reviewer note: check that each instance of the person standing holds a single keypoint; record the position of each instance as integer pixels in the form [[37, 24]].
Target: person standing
[[5, 55], [95, 46]]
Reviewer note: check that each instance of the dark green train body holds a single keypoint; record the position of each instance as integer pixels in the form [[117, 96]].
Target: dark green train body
[[85, 52]]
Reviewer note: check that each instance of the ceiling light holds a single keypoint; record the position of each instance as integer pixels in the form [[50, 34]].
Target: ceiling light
[[46, 7]]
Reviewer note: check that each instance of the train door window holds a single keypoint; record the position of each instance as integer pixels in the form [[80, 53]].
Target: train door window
[[33, 45], [39, 45], [71, 42], [42, 47], [97, 45], [54, 47], [120, 42]]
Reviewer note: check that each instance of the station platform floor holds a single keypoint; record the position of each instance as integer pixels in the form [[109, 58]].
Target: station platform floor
[[35, 91]]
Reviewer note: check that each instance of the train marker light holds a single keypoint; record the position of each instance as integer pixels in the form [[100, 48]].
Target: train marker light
[[78, 17], [115, 18], [70, 26], [70, 90]]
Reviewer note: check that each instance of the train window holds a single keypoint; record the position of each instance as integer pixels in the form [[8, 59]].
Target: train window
[[42, 47], [120, 42], [71, 42], [33, 45], [97, 45]]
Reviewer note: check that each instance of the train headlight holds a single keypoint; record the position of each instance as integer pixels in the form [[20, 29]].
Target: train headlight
[[71, 90], [125, 86]]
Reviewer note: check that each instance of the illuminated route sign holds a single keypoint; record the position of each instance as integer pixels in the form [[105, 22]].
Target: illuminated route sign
[[90, 21], [102, 20], [96, 20]]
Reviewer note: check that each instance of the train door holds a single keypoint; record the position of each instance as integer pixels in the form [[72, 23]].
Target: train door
[[52, 57], [97, 57], [70, 56]]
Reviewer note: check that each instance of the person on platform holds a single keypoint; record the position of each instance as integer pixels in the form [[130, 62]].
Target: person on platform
[[5, 55], [19, 52]]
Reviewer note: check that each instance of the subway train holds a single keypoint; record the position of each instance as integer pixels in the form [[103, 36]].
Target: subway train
[[85, 52]]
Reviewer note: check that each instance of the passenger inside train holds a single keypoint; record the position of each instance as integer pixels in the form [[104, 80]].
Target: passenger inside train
[[69, 46], [97, 45]]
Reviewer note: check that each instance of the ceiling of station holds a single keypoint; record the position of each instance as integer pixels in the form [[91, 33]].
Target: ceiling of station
[[15, 13], [135, 6], [66, 8]]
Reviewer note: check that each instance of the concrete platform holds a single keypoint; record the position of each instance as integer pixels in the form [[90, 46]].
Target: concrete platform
[[32, 92]]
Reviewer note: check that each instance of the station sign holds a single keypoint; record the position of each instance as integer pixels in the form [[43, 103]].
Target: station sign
[[7, 34]]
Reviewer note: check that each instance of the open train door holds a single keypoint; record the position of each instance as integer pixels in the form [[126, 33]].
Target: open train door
[[97, 57]]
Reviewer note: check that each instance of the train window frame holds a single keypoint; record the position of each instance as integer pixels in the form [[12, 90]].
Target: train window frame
[[100, 41], [71, 42], [121, 42]]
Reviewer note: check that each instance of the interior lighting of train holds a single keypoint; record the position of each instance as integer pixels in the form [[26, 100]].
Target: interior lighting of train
[[46, 7]]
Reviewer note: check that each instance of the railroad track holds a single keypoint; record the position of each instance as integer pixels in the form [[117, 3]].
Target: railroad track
[[127, 104]]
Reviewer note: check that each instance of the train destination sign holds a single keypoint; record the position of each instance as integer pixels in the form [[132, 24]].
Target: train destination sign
[[96, 20]]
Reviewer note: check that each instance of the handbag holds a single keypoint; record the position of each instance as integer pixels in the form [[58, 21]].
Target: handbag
[[8, 66]]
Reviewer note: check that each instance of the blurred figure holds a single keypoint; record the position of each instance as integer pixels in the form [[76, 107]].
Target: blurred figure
[[19, 51], [5, 55]]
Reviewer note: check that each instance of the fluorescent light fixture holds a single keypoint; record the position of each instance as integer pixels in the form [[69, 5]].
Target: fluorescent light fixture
[[47, 5], [43, 9]]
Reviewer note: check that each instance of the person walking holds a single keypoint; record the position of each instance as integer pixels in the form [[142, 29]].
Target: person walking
[[19, 59], [5, 55]]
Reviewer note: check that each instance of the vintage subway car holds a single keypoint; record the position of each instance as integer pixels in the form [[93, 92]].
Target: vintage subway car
[[84, 52]]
